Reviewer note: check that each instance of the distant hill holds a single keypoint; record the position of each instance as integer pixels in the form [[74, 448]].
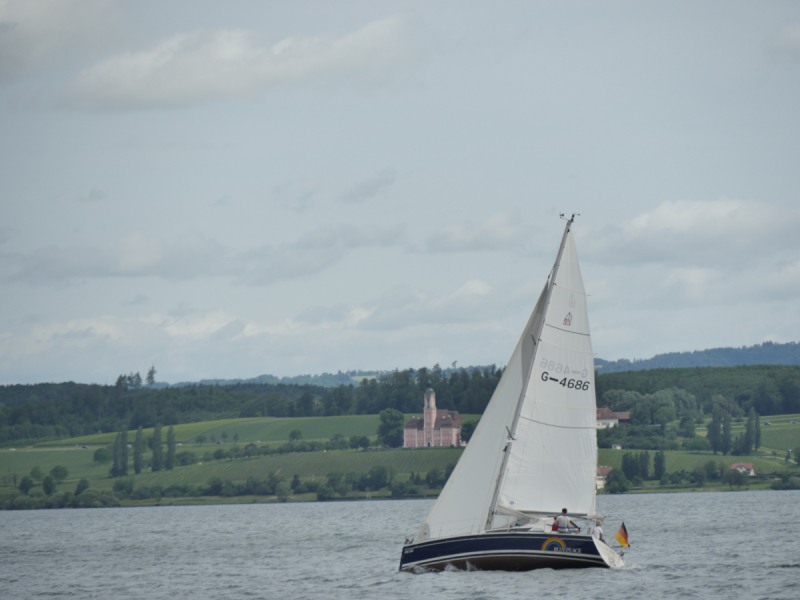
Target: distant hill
[[323, 380], [330, 380], [767, 353]]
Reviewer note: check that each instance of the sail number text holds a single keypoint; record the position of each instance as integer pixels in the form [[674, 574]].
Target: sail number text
[[575, 384], [561, 369]]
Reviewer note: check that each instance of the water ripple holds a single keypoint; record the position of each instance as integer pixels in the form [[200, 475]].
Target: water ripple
[[684, 546]]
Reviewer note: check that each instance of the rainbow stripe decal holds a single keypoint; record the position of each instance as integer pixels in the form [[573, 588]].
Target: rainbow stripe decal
[[554, 544]]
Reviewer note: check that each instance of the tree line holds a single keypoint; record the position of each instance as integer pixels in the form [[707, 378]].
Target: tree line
[[86, 409], [52, 411]]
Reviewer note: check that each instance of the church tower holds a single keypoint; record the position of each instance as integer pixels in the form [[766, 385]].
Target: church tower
[[430, 415]]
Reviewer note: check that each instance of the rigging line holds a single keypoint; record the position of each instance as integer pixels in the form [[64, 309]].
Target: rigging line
[[581, 292], [551, 425], [563, 347], [567, 330]]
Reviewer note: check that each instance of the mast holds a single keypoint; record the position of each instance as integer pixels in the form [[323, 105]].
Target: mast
[[536, 335]]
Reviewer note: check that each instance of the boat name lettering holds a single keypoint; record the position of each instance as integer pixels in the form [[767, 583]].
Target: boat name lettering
[[573, 384], [561, 368]]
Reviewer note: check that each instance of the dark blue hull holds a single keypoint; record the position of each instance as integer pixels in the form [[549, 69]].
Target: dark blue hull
[[507, 551]]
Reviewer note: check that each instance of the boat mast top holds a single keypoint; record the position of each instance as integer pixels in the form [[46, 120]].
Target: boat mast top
[[537, 332]]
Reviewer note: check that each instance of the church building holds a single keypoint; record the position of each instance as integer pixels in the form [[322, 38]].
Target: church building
[[436, 428]]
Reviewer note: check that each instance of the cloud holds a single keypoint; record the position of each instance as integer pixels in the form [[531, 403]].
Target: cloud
[[699, 234], [759, 284], [34, 33], [314, 252], [407, 307], [210, 65], [369, 188], [134, 255], [140, 255], [94, 195], [138, 300], [404, 306], [500, 231], [788, 41]]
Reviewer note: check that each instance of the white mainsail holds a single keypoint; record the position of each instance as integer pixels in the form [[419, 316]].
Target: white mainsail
[[535, 448]]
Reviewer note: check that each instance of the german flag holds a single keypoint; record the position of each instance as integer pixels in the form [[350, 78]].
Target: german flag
[[622, 536]]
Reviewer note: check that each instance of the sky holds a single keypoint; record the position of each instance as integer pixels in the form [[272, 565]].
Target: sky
[[224, 190]]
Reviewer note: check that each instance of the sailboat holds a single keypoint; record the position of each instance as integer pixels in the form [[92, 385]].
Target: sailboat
[[533, 453]]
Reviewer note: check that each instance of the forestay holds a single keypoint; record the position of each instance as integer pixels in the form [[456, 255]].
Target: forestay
[[552, 449]]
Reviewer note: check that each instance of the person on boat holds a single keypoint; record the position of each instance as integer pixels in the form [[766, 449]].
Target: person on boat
[[563, 524], [597, 532]]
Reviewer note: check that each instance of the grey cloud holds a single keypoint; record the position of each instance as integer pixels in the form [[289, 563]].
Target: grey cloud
[[499, 231], [369, 188], [228, 331], [210, 65], [406, 307], [182, 309], [788, 41], [94, 195], [314, 251], [137, 255], [315, 315], [692, 233], [35, 33]]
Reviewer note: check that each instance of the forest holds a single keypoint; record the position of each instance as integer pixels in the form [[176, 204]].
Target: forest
[[53, 411]]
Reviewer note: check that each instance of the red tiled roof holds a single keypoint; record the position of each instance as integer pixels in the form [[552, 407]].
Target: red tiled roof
[[604, 471], [748, 466], [623, 416], [605, 413]]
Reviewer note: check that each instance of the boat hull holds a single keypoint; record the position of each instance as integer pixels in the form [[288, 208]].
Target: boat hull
[[509, 551]]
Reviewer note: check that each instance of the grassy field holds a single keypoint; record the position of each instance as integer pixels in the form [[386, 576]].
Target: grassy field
[[182, 432], [264, 429], [307, 465], [683, 460], [314, 465]]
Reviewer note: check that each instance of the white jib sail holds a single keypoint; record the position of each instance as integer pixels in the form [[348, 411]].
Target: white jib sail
[[553, 470]]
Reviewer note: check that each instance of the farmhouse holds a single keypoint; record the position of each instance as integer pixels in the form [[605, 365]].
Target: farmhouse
[[746, 468], [602, 474], [606, 418], [436, 428]]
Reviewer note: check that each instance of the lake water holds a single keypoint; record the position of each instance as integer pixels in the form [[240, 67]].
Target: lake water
[[720, 545]]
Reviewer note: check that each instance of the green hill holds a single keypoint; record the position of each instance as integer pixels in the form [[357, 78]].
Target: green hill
[[768, 353]]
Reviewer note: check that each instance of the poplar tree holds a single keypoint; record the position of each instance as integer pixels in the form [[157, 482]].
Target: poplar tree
[[660, 464], [157, 448], [170, 462], [644, 465], [137, 451], [116, 453], [123, 452], [714, 433], [749, 432], [726, 444], [757, 434]]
